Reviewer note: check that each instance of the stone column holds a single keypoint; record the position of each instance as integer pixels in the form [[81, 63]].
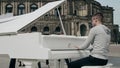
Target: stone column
[[75, 29], [15, 8], [28, 7], [38, 4], [25, 3], [0, 7], [78, 29], [72, 28], [88, 29], [3, 8]]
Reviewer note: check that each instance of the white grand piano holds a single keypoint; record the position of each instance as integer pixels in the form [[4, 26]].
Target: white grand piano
[[30, 47], [35, 46]]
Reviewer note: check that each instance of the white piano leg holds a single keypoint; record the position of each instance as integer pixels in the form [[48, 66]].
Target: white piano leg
[[56, 64], [59, 63], [62, 63]]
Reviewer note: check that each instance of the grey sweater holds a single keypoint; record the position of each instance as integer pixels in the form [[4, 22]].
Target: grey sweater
[[99, 38]]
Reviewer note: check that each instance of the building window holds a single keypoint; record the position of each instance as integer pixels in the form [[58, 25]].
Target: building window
[[56, 12], [57, 29], [75, 12], [82, 5], [21, 9], [46, 29], [83, 9], [34, 29], [9, 8], [83, 30], [33, 7], [94, 10]]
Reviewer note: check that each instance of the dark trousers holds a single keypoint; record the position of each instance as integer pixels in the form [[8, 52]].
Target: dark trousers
[[88, 61], [12, 63]]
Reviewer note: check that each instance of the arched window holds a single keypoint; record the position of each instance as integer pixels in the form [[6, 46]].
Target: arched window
[[33, 7], [57, 29], [34, 29], [9, 8], [83, 30], [21, 9], [46, 29]]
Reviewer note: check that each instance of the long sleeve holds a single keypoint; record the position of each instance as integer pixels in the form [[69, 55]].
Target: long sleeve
[[89, 40]]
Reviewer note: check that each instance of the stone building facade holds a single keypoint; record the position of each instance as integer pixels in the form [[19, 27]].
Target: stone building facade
[[76, 16]]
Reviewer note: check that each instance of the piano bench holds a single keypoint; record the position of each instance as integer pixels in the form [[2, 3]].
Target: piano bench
[[109, 65]]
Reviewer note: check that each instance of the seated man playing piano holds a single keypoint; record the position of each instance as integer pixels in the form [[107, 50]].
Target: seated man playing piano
[[99, 38]]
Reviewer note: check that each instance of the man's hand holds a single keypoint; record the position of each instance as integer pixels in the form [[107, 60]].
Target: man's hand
[[76, 47], [73, 46]]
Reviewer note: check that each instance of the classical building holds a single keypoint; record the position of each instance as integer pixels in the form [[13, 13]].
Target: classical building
[[76, 16]]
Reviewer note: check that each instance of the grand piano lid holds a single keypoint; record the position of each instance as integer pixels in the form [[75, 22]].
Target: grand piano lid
[[12, 25]]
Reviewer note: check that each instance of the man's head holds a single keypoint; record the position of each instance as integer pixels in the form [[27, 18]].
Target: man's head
[[97, 19]]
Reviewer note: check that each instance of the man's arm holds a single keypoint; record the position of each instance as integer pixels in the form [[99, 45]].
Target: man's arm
[[89, 40]]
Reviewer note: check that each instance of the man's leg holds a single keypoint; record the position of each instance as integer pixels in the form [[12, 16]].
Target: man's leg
[[12, 63], [79, 63], [88, 61]]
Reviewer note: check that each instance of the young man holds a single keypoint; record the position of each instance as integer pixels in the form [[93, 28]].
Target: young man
[[99, 38]]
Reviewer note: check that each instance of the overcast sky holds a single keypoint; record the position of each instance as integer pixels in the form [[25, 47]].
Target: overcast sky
[[116, 5]]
